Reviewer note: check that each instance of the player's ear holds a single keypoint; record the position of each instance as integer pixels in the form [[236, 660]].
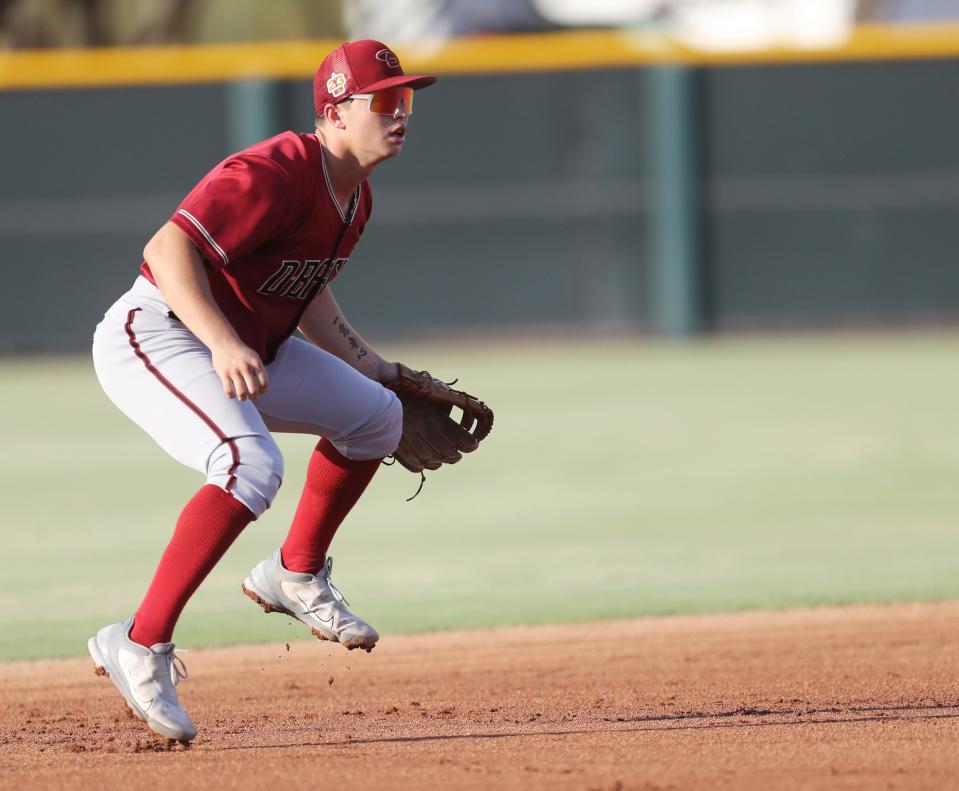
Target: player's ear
[[333, 116]]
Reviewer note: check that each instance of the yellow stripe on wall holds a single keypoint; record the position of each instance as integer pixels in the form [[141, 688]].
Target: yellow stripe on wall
[[151, 65], [25, 69]]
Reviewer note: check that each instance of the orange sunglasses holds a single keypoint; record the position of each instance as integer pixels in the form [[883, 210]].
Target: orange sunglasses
[[388, 101]]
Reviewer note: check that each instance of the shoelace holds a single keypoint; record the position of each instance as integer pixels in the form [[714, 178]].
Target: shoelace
[[325, 574], [178, 670]]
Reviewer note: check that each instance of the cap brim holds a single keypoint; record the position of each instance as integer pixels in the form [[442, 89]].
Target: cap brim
[[412, 80]]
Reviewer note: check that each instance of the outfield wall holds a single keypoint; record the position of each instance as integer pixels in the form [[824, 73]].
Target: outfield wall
[[825, 191]]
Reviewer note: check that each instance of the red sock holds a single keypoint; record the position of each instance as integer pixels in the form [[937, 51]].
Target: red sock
[[207, 526], [333, 485]]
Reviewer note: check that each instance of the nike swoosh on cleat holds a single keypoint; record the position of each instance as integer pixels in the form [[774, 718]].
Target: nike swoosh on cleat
[[311, 613], [127, 660]]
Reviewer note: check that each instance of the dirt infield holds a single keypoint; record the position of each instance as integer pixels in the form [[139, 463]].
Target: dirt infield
[[857, 697]]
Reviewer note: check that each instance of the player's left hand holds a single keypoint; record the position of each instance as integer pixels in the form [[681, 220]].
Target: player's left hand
[[431, 437]]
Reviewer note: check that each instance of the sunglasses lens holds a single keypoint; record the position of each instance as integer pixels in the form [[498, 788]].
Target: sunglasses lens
[[388, 101]]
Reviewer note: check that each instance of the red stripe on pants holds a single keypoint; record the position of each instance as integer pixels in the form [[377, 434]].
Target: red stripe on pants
[[234, 451]]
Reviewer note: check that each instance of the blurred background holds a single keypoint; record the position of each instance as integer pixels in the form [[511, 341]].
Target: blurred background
[[672, 167], [699, 255]]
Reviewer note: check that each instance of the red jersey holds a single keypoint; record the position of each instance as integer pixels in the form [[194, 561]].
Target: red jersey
[[271, 234]]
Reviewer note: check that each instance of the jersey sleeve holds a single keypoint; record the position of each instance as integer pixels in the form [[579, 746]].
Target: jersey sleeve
[[237, 207]]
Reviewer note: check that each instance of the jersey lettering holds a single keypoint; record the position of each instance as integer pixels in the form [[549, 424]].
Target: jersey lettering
[[301, 279], [297, 288], [280, 277]]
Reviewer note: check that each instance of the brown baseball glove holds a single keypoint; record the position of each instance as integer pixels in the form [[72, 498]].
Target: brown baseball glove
[[432, 437]]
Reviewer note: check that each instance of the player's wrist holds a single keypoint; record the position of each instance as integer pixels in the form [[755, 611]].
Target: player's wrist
[[227, 343], [387, 372]]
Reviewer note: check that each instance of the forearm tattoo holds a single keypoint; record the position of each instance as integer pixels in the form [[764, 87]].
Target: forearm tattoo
[[355, 345]]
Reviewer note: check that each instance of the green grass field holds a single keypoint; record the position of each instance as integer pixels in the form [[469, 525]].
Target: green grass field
[[622, 478]]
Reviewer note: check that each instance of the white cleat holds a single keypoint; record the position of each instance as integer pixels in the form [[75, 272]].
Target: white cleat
[[310, 598], [146, 677]]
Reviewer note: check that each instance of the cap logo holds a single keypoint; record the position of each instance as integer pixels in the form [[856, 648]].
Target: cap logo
[[388, 58], [336, 85]]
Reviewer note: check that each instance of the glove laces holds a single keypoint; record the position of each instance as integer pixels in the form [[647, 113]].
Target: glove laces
[[418, 488]]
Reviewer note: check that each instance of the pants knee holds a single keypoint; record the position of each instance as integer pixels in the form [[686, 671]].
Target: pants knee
[[377, 437], [250, 468]]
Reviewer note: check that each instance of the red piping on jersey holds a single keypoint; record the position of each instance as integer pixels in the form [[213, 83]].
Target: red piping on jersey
[[234, 451]]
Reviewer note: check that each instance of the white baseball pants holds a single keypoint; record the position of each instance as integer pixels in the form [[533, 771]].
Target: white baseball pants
[[161, 376]]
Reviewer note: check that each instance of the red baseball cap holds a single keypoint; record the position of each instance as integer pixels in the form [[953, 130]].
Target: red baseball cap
[[360, 67]]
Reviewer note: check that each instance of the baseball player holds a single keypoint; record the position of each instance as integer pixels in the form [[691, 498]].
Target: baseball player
[[200, 353]]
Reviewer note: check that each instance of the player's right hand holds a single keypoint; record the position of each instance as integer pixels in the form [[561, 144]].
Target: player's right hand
[[241, 372]]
